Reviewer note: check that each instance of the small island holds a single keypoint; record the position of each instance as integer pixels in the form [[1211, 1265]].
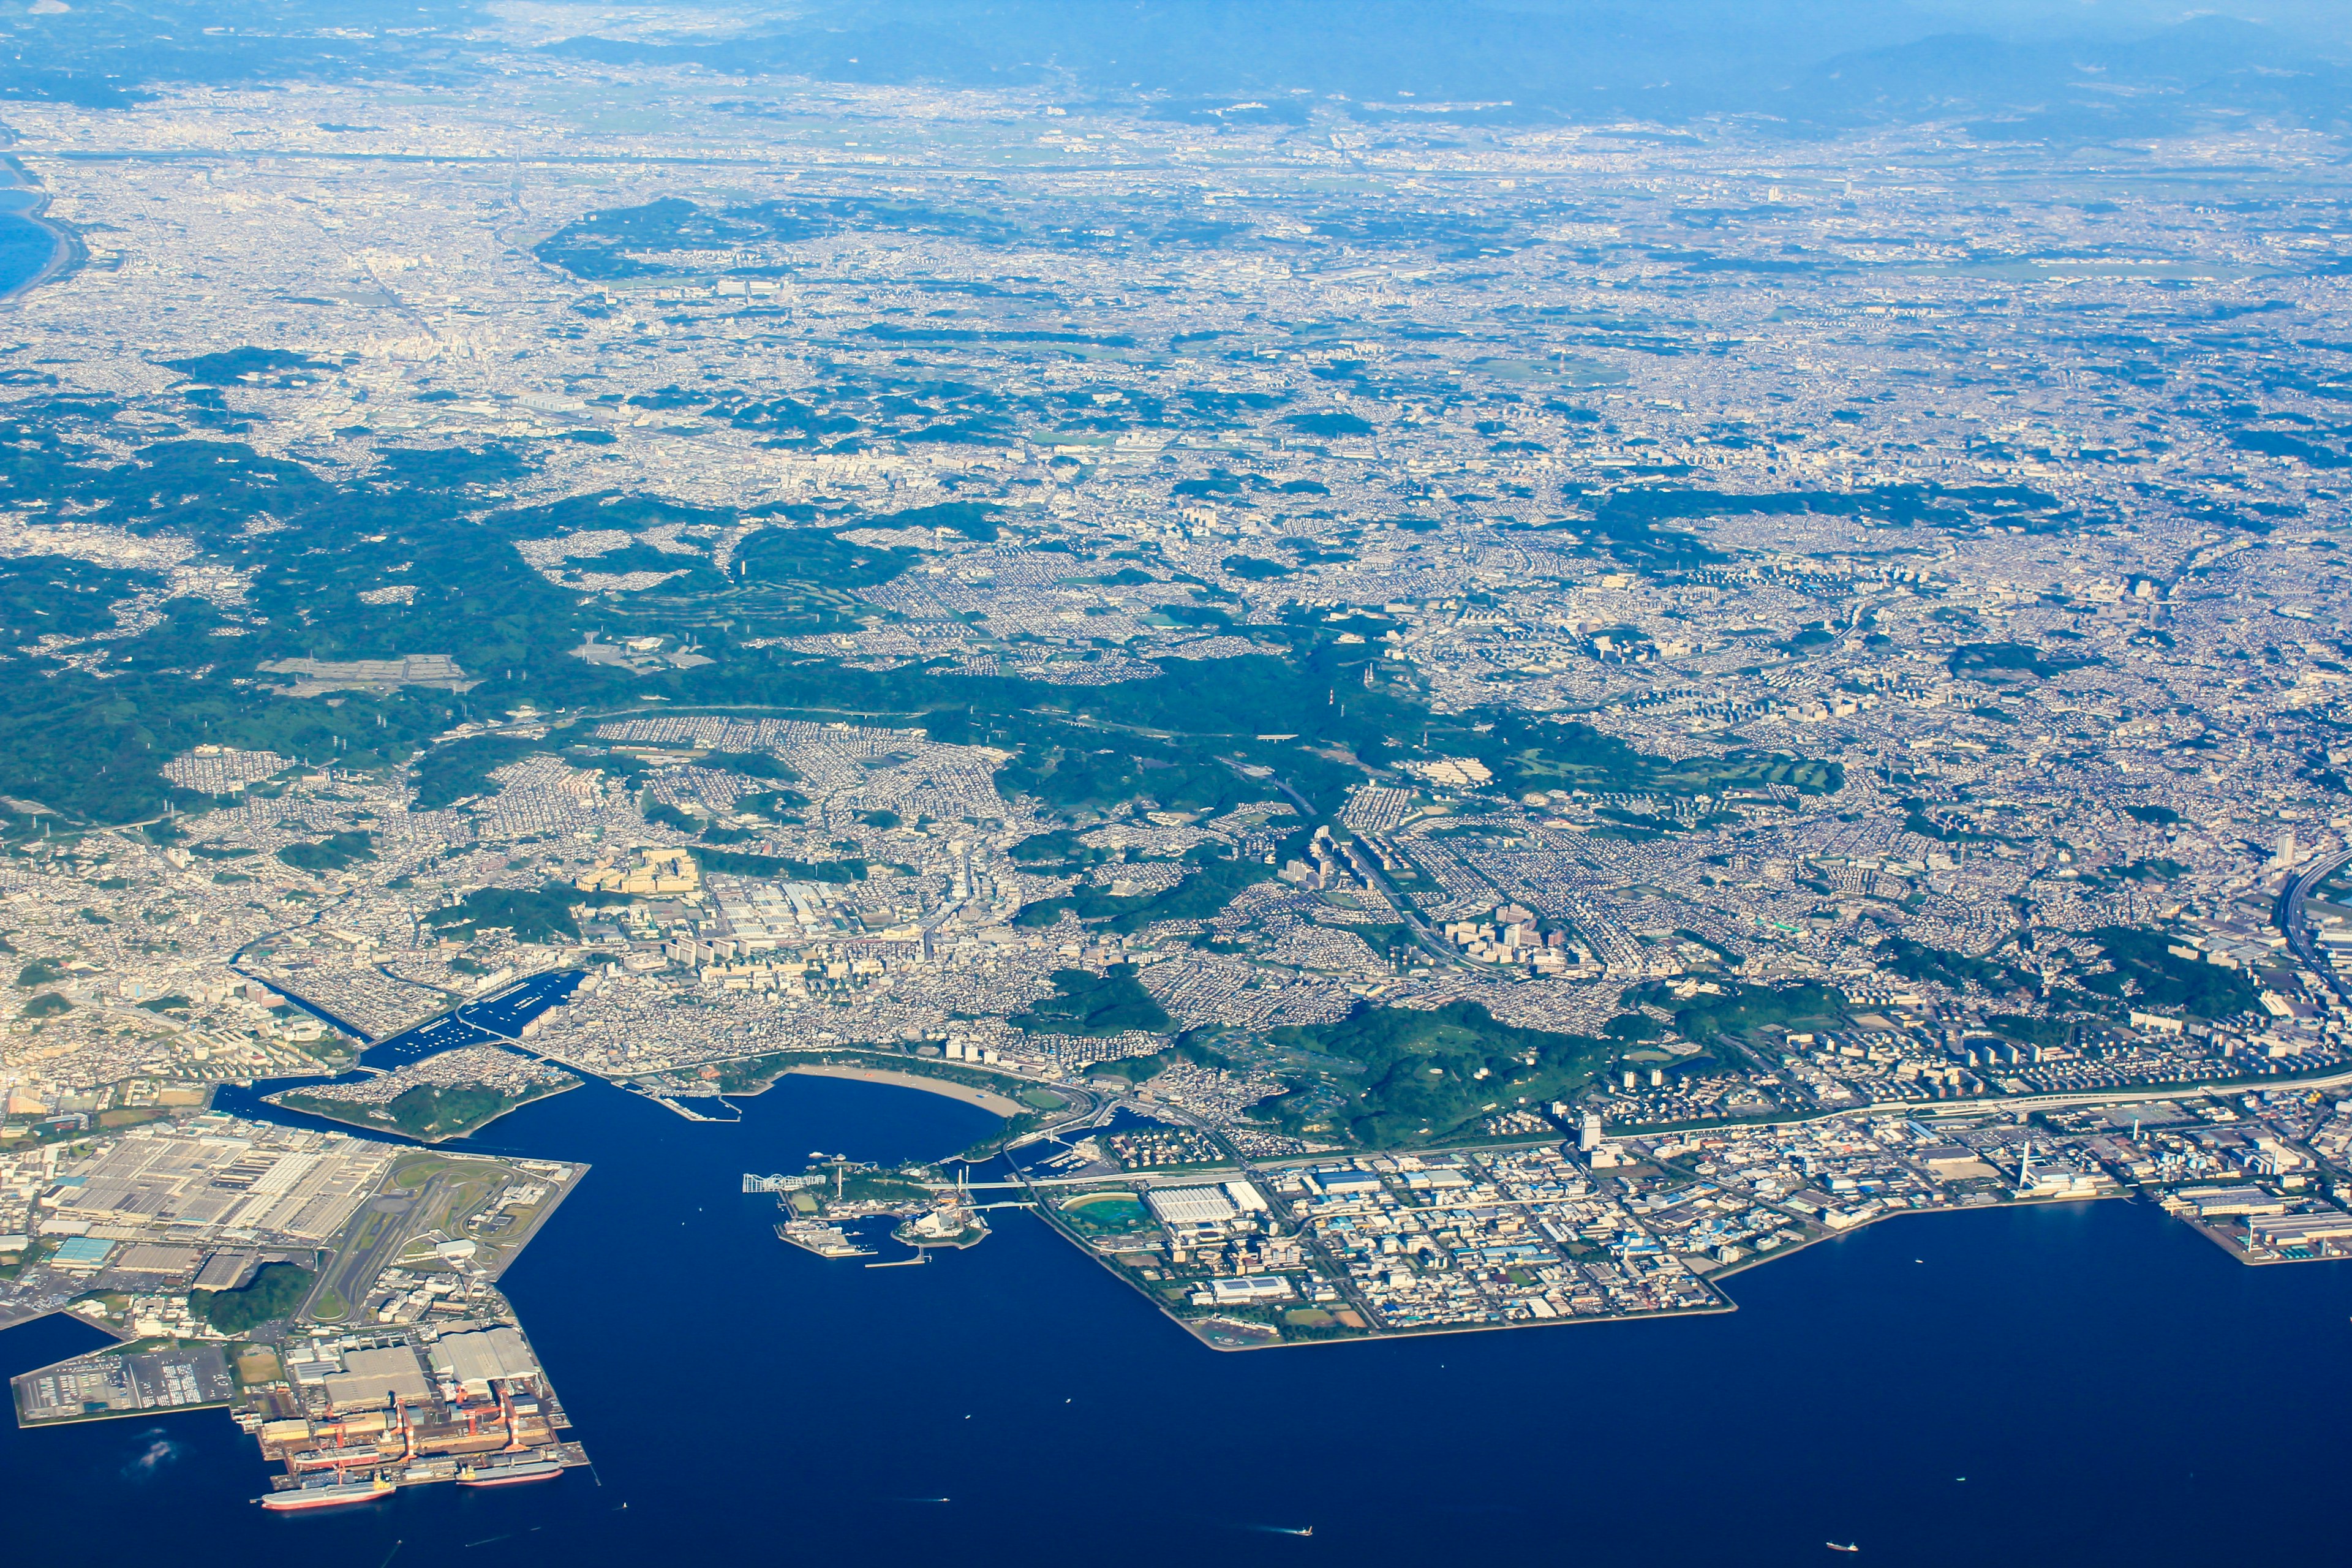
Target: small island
[[821, 1204], [950, 1220], [442, 1097]]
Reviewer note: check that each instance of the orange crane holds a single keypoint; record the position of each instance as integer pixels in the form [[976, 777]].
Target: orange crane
[[506, 1407]]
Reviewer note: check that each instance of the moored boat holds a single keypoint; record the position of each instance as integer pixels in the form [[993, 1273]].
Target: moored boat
[[510, 1475], [295, 1498]]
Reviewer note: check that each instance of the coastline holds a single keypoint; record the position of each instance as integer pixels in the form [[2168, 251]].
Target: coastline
[[995, 1104], [388, 1129], [67, 251]]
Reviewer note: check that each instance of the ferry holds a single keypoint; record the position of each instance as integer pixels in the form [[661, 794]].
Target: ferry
[[333, 1495], [510, 1475]]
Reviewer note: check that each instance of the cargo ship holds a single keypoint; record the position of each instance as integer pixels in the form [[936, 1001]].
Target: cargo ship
[[335, 1494], [510, 1475]]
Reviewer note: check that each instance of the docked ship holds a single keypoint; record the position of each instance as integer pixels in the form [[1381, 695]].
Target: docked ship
[[334, 1494], [510, 1475]]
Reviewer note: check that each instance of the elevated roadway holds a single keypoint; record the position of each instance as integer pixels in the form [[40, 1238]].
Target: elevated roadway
[[2289, 917]]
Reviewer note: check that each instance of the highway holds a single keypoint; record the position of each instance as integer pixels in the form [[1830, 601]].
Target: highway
[[1367, 868], [2289, 918], [1373, 877], [2340, 1078]]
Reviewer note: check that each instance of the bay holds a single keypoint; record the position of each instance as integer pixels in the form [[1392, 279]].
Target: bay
[[2110, 1385]]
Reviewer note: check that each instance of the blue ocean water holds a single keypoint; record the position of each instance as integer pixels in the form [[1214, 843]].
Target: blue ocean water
[[25, 245], [2112, 1388]]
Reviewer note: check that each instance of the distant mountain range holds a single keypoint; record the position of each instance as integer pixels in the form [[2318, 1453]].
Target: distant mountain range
[[1826, 63], [2011, 67]]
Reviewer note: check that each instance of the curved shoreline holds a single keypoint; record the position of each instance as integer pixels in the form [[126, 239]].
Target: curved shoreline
[[387, 1130], [67, 251], [996, 1104]]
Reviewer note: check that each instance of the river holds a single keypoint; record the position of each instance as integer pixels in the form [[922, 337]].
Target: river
[[2111, 1387]]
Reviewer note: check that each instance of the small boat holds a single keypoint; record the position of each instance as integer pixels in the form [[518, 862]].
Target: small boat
[[335, 1494], [510, 1475], [1833, 1546]]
